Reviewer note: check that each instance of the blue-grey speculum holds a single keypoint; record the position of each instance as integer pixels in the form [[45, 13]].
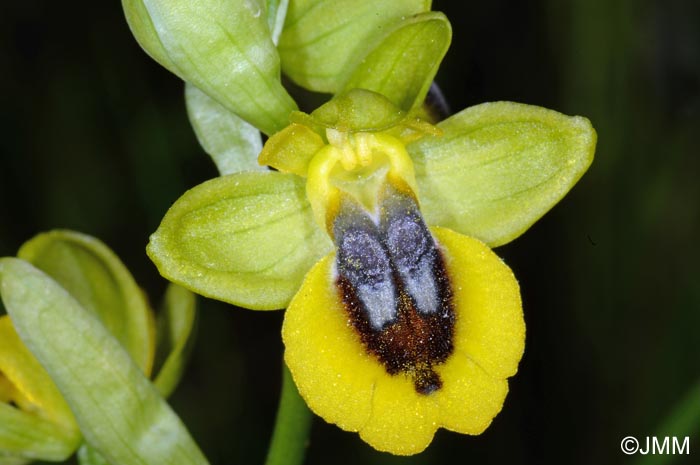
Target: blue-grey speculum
[[394, 285]]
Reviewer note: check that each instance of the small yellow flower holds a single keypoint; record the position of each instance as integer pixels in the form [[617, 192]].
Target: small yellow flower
[[407, 322], [401, 330]]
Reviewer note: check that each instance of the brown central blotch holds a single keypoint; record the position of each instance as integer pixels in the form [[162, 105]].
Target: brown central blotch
[[413, 343], [392, 280]]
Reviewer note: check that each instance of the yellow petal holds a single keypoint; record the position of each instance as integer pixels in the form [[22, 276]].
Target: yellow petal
[[330, 367], [402, 422], [342, 383], [489, 327], [345, 385], [469, 397]]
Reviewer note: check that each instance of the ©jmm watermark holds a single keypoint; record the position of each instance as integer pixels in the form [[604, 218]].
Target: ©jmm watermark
[[667, 445]]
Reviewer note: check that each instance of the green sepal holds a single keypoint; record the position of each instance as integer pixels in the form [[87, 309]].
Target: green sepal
[[38, 425], [499, 167], [223, 48], [119, 411], [402, 66], [97, 278], [322, 42], [232, 143], [175, 330], [247, 239]]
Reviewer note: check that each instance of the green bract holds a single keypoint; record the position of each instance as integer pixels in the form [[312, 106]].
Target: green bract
[[224, 48], [175, 327], [81, 278], [96, 278], [499, 167], [119, 411]]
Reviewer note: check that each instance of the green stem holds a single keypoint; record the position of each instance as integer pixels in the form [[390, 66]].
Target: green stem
[[681, 422], [292, 426]]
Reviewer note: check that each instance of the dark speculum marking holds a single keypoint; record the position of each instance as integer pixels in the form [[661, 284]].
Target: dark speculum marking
[[364, 263], [394, 286]]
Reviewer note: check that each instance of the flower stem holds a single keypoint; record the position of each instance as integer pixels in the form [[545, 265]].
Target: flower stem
[[292, 426], [681, 423]]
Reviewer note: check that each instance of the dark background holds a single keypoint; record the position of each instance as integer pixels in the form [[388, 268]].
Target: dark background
[[94, 137]]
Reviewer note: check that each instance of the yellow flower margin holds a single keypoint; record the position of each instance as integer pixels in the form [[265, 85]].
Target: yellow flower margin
[[345, 385]]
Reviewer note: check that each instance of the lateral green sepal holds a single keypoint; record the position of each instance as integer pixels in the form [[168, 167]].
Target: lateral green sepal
[[247, 239], [499, 167]]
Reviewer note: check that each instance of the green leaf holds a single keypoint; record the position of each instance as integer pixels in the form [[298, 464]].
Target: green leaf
[[37, 424], [322, 41], [119, 411], [499, 167], [232, 143], [247, 239], [96, 278], [224, 48], [175, 331], [402, 66]]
